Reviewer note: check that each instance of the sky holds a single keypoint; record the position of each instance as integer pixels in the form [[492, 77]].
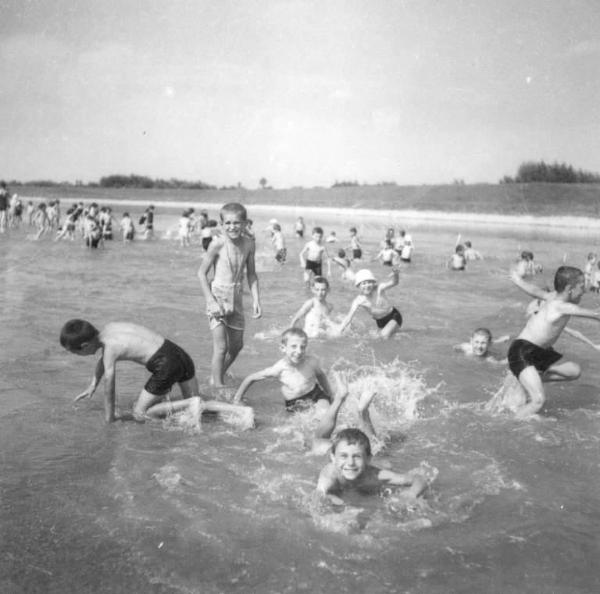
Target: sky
[[300, 92]]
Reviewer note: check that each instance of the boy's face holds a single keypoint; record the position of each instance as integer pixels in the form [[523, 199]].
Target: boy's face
[[576, 292], [320, 290], [317, 237], [350, 460], [233, 224], [480, 344], [86, 348], [294, 349], [367, 287]]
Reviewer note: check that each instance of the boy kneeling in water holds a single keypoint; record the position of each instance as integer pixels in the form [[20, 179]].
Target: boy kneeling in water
[[168, 363]]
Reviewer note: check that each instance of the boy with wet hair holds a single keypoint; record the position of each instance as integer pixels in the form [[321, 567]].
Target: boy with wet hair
[[350, 467], [531, 358], [303, 382], [479, 345], [229, 255], [316, 310], [311, 256], [168, 363]]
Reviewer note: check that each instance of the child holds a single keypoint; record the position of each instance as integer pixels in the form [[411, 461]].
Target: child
[[331, 238], [303, 382], [168, 363], [299, 228], [471, 253], [229, 255], [350, 466], [404, 246], [531, 358], [316, 310], [345, 264], [479, 345], [387, 255], [207, 233], [185, 228], [595, 282], [278, 242], [590, 265], [147, 219], [457, 260], [355, 247], [127, 228], [372, 298], [526, 266], [311, 256]]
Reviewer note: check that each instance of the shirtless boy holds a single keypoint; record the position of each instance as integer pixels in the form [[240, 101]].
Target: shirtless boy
[[372, 298], [229, 254], [316, 310], [303, 382], [168, 363], [312, 254], [350, 467], [531, 357], [479, 345]]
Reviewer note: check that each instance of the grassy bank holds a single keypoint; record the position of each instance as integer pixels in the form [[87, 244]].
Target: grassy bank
[[576, 200]]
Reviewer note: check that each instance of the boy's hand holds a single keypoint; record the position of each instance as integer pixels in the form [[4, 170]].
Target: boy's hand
[[214, 309], [87, 394], [257, 311]]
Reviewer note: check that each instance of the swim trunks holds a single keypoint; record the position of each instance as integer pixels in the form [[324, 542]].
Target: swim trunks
[[302, 402], [387, 263], [206, 242], [356, 254], [229, 297], [393, 315], [523, 353], [281, 255], [169, 365], [314, 266]]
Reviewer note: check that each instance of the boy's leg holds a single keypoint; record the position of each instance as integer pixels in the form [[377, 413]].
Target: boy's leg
[[363, 410], [235, 343], [328, 420], [220, 339], [389, 329], [562, 372], [530, 379], [152, 406]]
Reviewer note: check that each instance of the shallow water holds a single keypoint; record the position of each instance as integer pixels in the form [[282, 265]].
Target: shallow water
[[87, 507]]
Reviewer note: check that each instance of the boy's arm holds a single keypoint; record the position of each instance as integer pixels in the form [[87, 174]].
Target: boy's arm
[[414, 481], [355, 305], [272, 371], [253, 282], [528, 287], [394, 278], [582, 337], [323, 381], [301, 256], [207, 263], [571, 309], [98, 373], [327, 483], [109, 384], [306, 307]]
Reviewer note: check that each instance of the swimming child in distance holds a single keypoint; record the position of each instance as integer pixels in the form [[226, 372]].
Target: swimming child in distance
[[345, 264], [372, 298], [316, 310], [457, 260], [531, 358], [303, 382], [168, 363], [350, 467], [479, 345], [229, 255]]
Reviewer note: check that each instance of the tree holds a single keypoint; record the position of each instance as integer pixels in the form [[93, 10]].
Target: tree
[[263, 182]]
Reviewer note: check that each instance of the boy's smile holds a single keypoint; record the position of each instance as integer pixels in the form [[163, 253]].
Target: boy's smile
[[367, 287], [294, 349], [349, 460], [233, 225], [479, 345]]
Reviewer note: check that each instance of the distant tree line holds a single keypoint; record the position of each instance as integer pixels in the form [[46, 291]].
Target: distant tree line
[[559, 173], [143, 182]]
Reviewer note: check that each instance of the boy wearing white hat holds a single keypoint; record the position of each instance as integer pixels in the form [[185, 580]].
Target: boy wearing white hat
[[372, 298]]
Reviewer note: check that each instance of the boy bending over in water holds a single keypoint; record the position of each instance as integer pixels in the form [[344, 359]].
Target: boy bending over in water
[[303, 382], [531, 357], [372, 298], [316, 310], [230, 255], [168, 363], [350, 465]]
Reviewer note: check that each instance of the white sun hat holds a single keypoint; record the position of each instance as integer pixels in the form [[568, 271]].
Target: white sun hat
[[363, 275]]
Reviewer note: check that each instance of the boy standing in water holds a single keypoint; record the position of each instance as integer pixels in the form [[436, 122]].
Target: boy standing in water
[[303, 382], [229, 255], [168, 363], [316, 310], [311, 256], [350, 467], [531, 357]]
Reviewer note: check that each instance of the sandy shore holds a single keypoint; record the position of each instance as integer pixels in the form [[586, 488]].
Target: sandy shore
[[392, 217]]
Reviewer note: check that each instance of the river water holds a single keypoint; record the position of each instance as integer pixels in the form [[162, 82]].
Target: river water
[[87, 507]]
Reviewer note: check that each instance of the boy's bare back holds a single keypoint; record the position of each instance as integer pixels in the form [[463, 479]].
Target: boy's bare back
[[130, 342]]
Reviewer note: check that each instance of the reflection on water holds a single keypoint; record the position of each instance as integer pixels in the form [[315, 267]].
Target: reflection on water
[[513, 507]]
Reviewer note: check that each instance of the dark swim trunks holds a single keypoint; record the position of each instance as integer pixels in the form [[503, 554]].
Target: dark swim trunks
[[301, 402], [169, 365], [314, 266], [393, 315], [523, 353], [356, 254]]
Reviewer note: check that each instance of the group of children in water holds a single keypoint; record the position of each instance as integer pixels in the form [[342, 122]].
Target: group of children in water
[[229, 258]]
